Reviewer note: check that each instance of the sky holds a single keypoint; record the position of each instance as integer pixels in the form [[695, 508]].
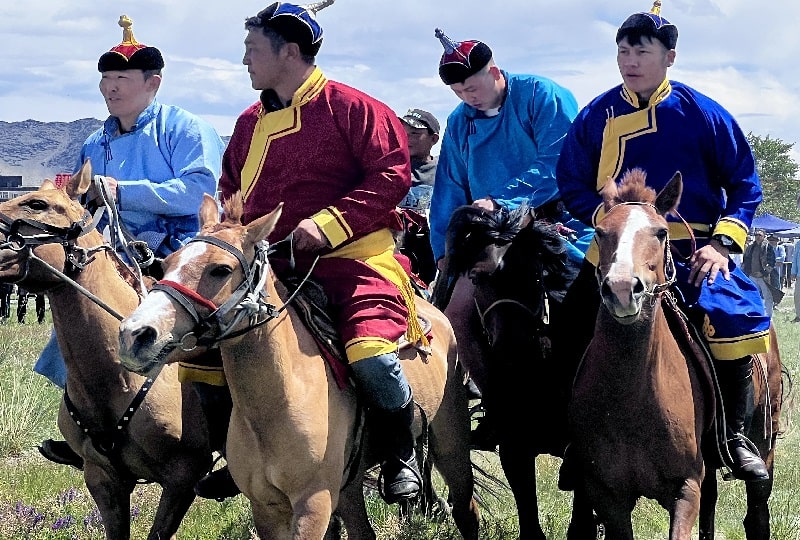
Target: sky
[[742, 53]]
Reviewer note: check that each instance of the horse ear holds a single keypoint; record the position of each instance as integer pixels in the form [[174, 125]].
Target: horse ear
[[47, 184], [609, 191], [80, 181], [209, 211], [260, 228], [670, 196]]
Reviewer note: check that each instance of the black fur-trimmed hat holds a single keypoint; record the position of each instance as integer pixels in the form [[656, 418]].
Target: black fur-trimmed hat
[[650, 24], [130, 54], [461, 60], [294, 23]]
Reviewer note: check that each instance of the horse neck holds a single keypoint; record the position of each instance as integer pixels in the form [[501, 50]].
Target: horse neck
[[630, 348], [261, 362], [88, 335]]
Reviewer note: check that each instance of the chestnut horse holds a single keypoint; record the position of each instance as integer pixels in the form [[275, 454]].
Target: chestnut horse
[[518, 266], [642, 412], [126, 427], [294, 443]]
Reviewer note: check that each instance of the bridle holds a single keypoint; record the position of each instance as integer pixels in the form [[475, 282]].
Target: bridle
[[247, 301], [670, 271]]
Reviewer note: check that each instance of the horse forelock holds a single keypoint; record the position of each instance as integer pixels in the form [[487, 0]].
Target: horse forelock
[[632, 188], [233, 208]]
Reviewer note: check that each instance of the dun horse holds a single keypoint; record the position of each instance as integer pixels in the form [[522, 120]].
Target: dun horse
[[519, 270], [125, 426], [294, 444], [643, 405]]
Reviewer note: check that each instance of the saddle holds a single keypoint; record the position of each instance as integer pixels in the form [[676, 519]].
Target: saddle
[[311, 303]]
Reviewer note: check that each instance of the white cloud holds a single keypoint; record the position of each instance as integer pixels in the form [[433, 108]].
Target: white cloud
[[741, 53]]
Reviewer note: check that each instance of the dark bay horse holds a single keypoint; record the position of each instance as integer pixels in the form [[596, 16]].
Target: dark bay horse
[[126, 427], [642, 412], [295, 445], [519, 269]]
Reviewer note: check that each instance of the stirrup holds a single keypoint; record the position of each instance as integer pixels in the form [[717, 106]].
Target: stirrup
[[392, 493], [217, 485]]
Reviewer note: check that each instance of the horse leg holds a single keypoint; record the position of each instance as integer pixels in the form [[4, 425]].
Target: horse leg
[[273, 520], [582, 525], [708, 505], [684, 511], [519, 466], [449, 448], [756, 521], [113, 498], [352, 509], [613, 510], [172, 507], [312, 514]]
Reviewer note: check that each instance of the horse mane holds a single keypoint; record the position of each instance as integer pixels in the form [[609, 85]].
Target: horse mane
[[632, 188], [233, 208], [539, 241]]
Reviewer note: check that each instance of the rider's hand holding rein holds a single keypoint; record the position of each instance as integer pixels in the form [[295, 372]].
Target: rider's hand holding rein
[[308, 237], [708, 261]]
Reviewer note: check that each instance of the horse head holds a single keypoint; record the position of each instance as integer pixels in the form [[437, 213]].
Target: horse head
[[39, 228], [633, 240], [476, 244], [198, 300]]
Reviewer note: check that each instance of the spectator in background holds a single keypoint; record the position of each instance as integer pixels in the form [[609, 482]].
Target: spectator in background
[[414, 241], [794, 270], [758, 263], [776, 276], [22, 304], [41, 303], [788, 247]]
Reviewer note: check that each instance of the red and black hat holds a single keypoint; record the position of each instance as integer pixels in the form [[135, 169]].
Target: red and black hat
[[461, 59], [130, 54], [649, 24], [294, 23]]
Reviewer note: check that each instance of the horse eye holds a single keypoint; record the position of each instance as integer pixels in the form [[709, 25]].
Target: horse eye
[[36, 204], [662, 234], [221, 271]]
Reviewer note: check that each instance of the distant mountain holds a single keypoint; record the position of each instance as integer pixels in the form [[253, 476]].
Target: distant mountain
[[38, 150]]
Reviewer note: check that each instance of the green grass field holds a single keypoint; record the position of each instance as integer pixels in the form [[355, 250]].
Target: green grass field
[[41, 500]]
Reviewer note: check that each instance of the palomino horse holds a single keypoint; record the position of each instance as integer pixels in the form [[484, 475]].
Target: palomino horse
[[125, 426], [519, 269], [294, 442], [643, 407]]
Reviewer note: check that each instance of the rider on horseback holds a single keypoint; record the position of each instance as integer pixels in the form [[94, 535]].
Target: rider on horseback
[[156, 192], [662, 126], [337, 159], [500, 111]]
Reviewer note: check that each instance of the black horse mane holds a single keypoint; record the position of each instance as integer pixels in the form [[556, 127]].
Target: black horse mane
[[540, 244]]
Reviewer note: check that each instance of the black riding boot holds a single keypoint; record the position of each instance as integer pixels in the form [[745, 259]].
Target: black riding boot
[[485, 435], [400, 476], [216, 404], [736, 383], [60, 452]]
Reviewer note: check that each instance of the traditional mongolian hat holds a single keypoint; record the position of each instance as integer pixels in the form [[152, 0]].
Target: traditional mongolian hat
[[130, 54], [294, 23], [650, 24], [461, 59]]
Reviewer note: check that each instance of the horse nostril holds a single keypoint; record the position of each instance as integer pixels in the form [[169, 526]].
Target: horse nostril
[[144, 337], [638, 287]]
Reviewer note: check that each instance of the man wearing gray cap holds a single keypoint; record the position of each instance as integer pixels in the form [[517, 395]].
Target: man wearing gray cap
[[422, 129]]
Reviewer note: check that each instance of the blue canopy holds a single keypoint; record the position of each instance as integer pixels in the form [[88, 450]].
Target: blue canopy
[[771, 223]]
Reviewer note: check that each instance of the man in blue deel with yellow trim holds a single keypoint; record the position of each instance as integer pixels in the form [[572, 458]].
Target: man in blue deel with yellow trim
[[664, 126]]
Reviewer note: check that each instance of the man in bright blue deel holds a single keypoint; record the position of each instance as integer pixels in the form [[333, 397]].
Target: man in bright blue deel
[[499, 150]]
